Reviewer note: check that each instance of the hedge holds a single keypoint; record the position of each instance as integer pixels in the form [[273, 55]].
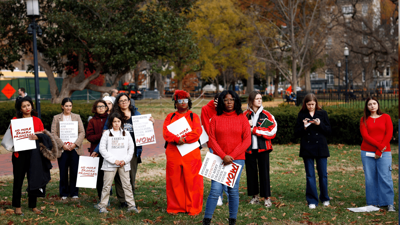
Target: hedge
[[345, 122]]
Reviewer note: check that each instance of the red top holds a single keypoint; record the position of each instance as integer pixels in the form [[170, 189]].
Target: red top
[[230, 135], [190, 137], [37, 124], [377, 134], [207, 112]]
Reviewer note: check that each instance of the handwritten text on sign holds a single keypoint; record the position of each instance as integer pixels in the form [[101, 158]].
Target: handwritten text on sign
[[179, 128], [87, 172], [21, 129], [214, 169], [68, 131], [118, 147], [144, 130]]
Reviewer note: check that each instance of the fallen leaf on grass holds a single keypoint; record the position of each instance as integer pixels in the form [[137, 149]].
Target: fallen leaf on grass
[[263, 217], [306, 214], [10, 222], [376, 220], [66, 223], [273, 218], [43, 208], [150, 221], [284, 214], [334, 218], [56, 213]]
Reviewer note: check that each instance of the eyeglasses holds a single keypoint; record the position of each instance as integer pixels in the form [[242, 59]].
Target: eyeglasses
[[101, 106], [180, 101], [123, 101], [229, 100]]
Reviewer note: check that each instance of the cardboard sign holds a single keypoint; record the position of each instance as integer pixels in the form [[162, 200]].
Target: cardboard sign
[[180, 128], [118, 147], [21, 128], [144, 130], [203, 137], [213, 168], [88, 168], [68, 131]]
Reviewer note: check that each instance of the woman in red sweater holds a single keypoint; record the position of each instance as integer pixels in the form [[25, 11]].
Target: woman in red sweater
[[229, 138], [377, 130]]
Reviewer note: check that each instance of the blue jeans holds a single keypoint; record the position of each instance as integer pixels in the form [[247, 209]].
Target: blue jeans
[[311, 190], [378, 179], [224, 188], [216, 189]]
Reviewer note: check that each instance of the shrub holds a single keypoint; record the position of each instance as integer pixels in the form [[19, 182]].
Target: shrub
[[267, 98]]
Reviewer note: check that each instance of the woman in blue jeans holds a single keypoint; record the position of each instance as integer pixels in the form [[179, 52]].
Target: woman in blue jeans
[[312, 126], [229, 137]]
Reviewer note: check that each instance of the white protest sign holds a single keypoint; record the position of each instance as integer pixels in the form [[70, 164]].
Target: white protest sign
[[21, 128], [68, 131], [214, 169], [88, 168], [144, 130], [180, 128], [118, 147], [203, 137]]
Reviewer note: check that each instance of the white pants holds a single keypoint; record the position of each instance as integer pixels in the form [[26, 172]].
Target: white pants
[[126, 186]]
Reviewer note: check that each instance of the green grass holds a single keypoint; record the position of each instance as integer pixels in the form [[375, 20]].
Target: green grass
[[346, 188]]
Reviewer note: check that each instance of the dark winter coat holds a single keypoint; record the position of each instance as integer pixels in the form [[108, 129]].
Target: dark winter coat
[[313, 139], [94, 130]]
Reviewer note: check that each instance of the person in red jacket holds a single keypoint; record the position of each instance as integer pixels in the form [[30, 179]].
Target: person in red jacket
[[229, 138], [207, 112], [94, 131], [184, 184], [376, 130]]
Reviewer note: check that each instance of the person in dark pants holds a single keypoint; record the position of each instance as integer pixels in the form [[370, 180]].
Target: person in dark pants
[[263, 130], [70, 150], [312, 126]]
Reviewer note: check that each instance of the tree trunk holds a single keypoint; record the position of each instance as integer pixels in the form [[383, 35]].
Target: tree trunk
[[160, 83], [152, 81], [180, 84], [276, 83], [217, 85], [308, 82], [250, 80]]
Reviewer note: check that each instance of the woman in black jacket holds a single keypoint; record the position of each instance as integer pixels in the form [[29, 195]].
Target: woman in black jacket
[[312, 127]]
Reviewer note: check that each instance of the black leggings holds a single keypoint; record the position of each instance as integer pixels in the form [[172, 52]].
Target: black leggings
[[20, 168], [262, 161]]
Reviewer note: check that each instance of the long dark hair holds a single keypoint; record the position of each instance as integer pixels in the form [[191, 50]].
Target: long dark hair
[[251, 98], [65, 100], [18, 106], [112, 117], [367, 113], [221, 106], [117, 109], [310, 97]]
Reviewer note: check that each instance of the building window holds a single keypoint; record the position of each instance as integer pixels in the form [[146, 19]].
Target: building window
[[365, 39], [329, 77], [363, 75], [387, 71], [347, 9], [365, 9], [329, 42], [314, 76]]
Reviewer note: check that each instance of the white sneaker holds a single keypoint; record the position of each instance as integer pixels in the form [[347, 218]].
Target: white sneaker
[[312, 206], [220, 203], [64, 198], [134, 209], [75, 197], [326, 203], [254, 201], [103, 210], [267, 203]]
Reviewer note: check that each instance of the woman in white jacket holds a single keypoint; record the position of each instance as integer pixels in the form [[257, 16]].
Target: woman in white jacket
[[117, 149]]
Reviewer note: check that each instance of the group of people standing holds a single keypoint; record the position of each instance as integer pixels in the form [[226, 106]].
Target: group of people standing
[[243, 138]]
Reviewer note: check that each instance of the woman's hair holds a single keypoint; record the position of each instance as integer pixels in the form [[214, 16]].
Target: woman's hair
[[18, 106], [65, 100], [117, 109], [310, 97], [94, 107], [189, 103], [367, 113], [216, 96], [111, 119], [251, 98], [221, 106]]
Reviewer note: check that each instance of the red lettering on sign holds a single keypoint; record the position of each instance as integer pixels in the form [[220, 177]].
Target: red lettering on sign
[[232, 174]]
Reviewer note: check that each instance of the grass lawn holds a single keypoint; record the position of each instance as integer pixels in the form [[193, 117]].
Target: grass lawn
[[346, 188]]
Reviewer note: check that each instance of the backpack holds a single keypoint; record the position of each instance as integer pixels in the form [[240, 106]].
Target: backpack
[[191, 117]]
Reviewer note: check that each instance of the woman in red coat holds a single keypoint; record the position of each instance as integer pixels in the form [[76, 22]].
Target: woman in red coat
[[94, 132], [184, 184]]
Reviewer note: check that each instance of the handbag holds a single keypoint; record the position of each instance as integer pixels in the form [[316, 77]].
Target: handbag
[[7, 141]]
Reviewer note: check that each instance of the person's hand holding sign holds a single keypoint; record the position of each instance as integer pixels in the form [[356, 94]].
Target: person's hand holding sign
[[33, 137], [228, 160]]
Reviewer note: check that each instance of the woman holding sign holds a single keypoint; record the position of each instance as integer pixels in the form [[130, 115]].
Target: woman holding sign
[[263, 129], [33, 162], [229, 139], [377, 130], [312, 127], [184, 184], [67, 128]]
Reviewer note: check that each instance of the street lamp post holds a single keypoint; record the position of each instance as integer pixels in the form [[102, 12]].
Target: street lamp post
[[32, 11], [346, 54], [339, 64]]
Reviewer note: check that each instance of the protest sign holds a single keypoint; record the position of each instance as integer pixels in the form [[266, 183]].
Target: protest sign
[[88, 168], [118, 147], [144, 130], [213, 168], [180, 128], [21, 128], [203, 137], [68, 131]]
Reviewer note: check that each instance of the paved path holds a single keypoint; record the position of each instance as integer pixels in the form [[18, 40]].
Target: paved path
[[148, 151]]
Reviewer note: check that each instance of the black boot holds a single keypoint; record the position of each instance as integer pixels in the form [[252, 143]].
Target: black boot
[[232, 221], [206, 221]]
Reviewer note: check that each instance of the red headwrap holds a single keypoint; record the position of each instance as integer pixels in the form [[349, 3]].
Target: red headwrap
[[180, 94]]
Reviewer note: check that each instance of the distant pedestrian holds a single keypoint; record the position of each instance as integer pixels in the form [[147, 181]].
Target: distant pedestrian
[[312, 127], [376, 130], [21, 94], [114, 93]]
